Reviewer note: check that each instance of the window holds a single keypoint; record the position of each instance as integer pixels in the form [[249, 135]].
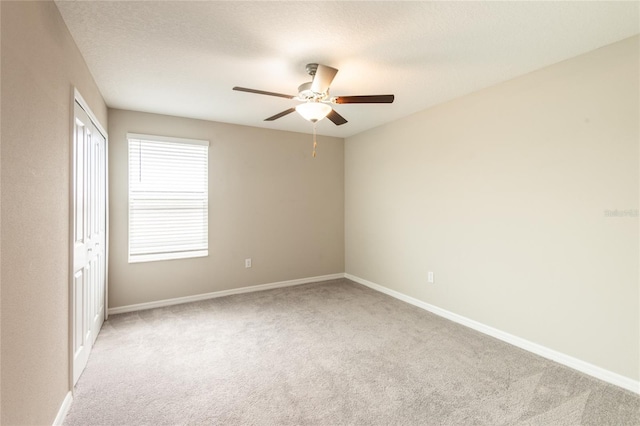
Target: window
[[168, 198]]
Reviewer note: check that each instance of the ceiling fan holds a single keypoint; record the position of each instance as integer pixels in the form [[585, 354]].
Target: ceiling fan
[[316, 98]]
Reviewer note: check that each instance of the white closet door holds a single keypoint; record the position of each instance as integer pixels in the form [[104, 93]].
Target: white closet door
[[89, 226]]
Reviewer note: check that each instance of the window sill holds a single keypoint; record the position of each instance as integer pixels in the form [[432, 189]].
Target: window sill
[[167, 256]]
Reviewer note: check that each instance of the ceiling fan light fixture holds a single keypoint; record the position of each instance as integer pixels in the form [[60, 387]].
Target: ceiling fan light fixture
[[313, 111]]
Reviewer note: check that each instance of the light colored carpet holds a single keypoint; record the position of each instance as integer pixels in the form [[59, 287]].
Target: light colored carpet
[[330, 353]]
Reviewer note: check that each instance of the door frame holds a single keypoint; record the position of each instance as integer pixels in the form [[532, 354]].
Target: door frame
[[76, 97]]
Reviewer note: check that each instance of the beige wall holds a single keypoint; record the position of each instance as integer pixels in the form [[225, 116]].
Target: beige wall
[[40, 66], [503, 194], [269, 200]]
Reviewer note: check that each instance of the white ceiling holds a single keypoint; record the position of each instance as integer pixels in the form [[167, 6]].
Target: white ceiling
[[182, 58]]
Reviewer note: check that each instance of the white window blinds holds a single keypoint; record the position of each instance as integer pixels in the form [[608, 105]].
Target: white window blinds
[[168, 198]]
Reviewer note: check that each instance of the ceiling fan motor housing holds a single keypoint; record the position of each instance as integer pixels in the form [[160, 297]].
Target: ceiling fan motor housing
[[306, 94], [304, 90]]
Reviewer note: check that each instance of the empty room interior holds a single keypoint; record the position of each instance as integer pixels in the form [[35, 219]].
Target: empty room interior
[[319, 213]]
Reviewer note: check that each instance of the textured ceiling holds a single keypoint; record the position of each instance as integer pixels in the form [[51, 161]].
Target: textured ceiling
[[182, 58]]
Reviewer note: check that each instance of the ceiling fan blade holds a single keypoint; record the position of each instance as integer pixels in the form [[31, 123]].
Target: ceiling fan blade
[[262, 92], [279, 115], [367, 99], [336, 118], [323, 78]]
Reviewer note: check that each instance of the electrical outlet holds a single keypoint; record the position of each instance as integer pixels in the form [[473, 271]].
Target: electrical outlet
[[247, 263], [430, 277]]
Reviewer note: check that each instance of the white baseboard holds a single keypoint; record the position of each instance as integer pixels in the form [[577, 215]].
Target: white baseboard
[[559, 357], [222, 293], [64, 409]]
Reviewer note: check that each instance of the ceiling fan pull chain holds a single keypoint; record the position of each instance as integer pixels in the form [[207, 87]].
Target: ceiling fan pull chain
[[314, 140]]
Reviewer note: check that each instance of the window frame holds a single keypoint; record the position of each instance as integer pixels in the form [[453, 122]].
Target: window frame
[[151, 257]]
